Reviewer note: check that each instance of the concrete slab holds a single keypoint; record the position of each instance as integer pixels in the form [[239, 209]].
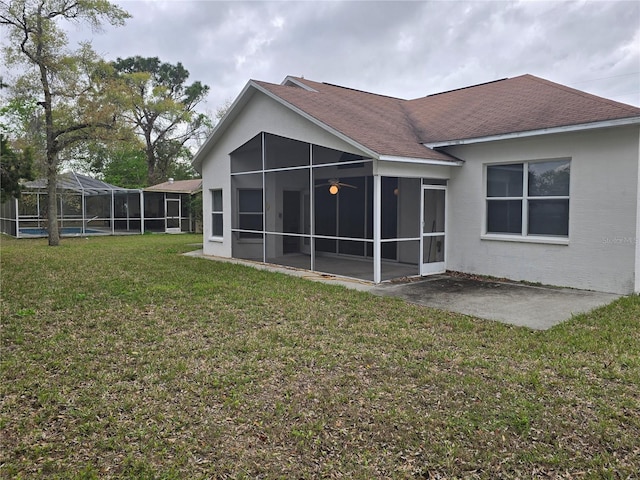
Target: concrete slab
[[536, 307], [532, 306]]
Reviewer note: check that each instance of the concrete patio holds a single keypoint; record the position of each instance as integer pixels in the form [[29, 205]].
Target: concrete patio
[[533, 306]]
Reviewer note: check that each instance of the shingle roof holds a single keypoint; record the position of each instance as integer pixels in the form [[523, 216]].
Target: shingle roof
[[376, 122], [177, 186], [512, 105], [396, 127]]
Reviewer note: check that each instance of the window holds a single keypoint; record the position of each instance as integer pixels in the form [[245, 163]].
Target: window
[[216, 213], [530, 198], [250, 212]]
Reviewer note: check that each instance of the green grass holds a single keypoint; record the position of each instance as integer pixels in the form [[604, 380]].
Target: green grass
[[123, 359]]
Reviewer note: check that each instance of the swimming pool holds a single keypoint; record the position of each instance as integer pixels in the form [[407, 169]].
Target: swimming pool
[[42, 232]]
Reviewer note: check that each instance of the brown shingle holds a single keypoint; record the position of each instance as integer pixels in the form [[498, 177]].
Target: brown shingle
[[507, 106], [177, 186], [397, 127]]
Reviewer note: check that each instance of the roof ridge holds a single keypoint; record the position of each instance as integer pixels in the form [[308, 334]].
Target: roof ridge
[[362, 91], [465, 88]]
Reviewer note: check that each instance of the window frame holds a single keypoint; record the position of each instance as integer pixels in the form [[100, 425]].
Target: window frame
[[524, 235], [217, 213]]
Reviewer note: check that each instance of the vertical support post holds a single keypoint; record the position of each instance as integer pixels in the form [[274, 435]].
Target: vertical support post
[[166, 211], [312, 213], [17, 218], [126, 207], [113, 223], [377, 212], [84, 216], [264, 203], [141, 211], [636, 240]]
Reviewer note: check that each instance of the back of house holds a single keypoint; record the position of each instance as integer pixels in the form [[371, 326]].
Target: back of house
[[520, 178]]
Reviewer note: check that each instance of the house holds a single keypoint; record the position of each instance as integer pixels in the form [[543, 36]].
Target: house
[[168, 206], [519, 178]]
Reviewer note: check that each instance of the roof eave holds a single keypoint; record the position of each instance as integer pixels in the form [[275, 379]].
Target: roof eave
[[221, 126], [319, 123], [532, 133], [241, 100], [423, 161]]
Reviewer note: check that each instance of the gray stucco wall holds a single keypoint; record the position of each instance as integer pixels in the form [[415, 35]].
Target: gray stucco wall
[[260, 114], [601, 251]]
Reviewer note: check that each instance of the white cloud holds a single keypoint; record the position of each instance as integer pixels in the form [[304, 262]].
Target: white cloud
[[405, 49]]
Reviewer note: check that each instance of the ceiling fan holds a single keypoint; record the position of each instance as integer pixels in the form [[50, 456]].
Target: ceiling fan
[[335, 185]]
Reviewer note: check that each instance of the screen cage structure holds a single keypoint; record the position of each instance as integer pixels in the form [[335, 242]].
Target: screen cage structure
[[86, 206], [306, 206], [173, 206]]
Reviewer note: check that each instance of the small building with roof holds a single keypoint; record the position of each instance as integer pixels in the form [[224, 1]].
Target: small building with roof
[[520, 178], [173, 206]]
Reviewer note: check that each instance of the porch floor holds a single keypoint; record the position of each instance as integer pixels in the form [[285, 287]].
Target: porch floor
[[346, 266]]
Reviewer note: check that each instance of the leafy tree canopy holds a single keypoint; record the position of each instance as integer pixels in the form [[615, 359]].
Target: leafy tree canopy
[[14, 167], [78, 92], [162, 109]]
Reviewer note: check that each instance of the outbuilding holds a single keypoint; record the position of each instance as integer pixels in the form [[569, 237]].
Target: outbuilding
[[170, 207]]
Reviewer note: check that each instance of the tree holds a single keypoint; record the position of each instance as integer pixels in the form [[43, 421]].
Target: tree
[[122, 163], [14, 167], [76, 90], [162, 108]]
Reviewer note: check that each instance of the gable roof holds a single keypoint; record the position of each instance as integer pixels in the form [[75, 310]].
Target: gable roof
[[394, 128], [177, 186]]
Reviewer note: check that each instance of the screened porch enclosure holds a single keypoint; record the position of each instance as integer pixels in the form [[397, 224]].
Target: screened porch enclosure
[[85, 206], [307, 206]]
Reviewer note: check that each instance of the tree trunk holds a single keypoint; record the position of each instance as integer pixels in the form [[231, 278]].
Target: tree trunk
[[52, 203]]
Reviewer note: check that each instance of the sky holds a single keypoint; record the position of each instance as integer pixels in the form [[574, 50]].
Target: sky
[[402, 49]]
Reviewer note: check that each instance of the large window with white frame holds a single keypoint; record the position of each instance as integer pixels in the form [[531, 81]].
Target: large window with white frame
[[216, 213], [528, 198]]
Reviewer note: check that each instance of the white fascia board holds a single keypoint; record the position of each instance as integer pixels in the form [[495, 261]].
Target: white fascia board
[[318, 123], [297, 83], [220, 127], [533, 133], [423, 161]]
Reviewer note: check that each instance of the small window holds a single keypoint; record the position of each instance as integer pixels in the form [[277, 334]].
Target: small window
[[250, 215], [216, 213], [530, 198]]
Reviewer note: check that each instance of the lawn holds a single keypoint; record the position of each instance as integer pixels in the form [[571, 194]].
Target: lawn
[[122, 358]]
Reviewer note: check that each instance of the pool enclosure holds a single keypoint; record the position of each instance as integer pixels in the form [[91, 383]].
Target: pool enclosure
[[86, 206]]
